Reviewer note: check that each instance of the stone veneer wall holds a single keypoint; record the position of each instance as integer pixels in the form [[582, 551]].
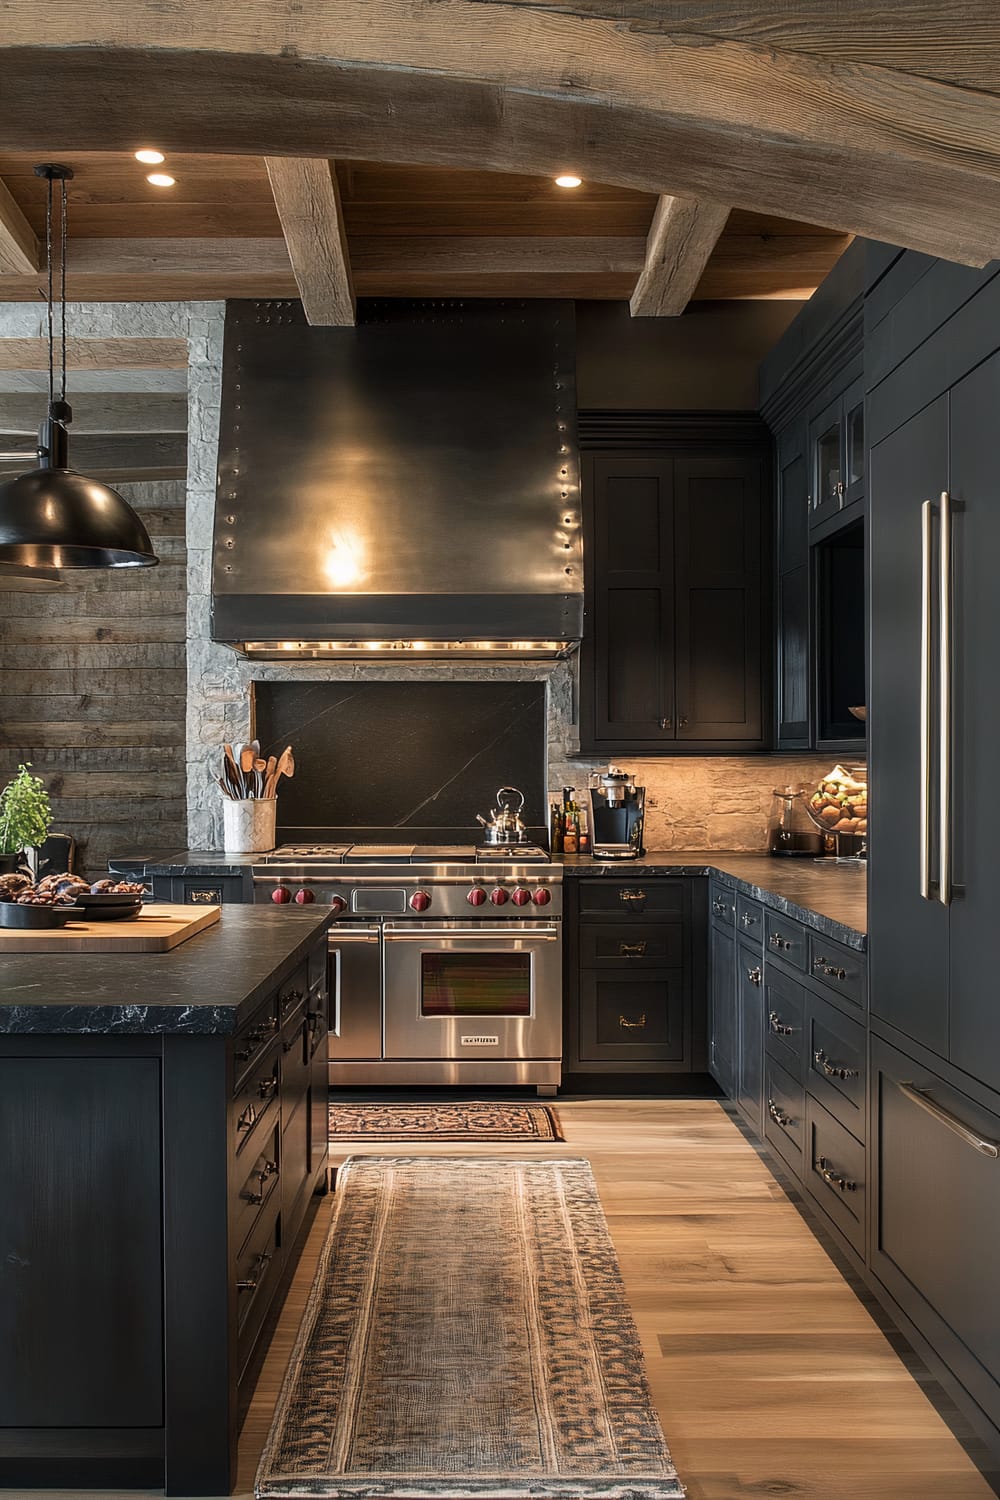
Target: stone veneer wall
[[719, 802]]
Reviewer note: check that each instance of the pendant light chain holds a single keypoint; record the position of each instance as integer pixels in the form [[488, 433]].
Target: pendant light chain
[[62, 290]]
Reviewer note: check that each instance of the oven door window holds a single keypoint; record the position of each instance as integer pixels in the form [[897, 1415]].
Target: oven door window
[[475, 984]]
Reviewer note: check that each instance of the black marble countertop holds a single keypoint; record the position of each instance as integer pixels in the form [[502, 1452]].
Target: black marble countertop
[[185, 862], [209, 985], [829, 895]]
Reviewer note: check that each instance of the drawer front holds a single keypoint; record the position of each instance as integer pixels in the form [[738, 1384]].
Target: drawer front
[[257, 1268], [254, 1102], [295, 1167], [839, 969], [722, 905], [835, 1173], [786, 940], [202, 890], [785, 1021], [836, 1064], [936, 1213], [750, 921], [632, 897], [292, 994], [252, 1040], [316, 964], [637, 1018], [294, 1060], [620, 945], [750, 1033], [785, 1115], [262, 1179]]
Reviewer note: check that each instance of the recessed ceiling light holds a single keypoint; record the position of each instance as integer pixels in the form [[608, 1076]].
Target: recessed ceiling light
[[160, 179], [150, 157], [568, 180]]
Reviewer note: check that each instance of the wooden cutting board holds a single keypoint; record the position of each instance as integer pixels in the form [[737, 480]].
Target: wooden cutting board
[[156, 929]]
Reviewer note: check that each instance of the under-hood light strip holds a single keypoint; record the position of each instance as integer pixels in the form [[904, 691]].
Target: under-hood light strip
[[394, 650]]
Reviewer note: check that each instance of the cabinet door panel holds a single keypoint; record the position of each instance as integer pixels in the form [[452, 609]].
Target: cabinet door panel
[[632, 1017], [908, 955], [793, 658], [722, 1012], [975, 1014], [718, 570], [750, 1018]]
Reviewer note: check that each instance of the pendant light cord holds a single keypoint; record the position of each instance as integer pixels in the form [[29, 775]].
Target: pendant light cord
[[48, 257], [62, 289]]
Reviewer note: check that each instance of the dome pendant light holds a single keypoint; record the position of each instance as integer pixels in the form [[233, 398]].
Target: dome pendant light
[[53, 517]]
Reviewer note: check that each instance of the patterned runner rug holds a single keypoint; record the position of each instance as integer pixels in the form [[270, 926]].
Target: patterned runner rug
[[467, 1335], [444, 1122]]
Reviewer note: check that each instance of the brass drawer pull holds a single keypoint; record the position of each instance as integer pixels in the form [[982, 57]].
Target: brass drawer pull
[[754, 975], [252, 1284], [632, 1025], [778, 1115], [778, 1026], [782, 943], [632, 950], [266, 1087], [629, 897], [831, 971], [834, 1178], [748, 920], [251, 1042], [830, 1069], [722, 908], [292, 998], [267, 1170]]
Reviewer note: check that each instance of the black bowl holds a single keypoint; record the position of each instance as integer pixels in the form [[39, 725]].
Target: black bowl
[[38, 917], [109, 906]]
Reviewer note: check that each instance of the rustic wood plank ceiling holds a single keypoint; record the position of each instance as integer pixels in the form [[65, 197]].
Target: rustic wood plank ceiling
[[878, 121], [411, 231]]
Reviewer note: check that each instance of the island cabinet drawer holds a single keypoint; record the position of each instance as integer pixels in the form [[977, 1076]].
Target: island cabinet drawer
[[295, 1055], [292, 994], [721, 905], [317, 964], [836, 1063], [614, 945], [786, 940], [255, 1102], [785, 1022], [785, 1115], [256, 1271], [253, 1040], [633, 898], [318, 1020], [835, 1173], [750, 921], [295, 1169], [260, 1182], [841, 970]]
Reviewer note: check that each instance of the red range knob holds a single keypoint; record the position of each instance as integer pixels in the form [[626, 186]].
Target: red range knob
[[419, 901], [542, 897], [280, 895], [520, 895], [477, 896], [498, 896], [304, 897], [337, 905]]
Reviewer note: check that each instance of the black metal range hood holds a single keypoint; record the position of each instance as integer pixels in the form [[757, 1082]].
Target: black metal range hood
[[407, 488]]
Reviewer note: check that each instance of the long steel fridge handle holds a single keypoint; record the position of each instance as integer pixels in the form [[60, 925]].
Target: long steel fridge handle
[[944, 704], [926, 522]]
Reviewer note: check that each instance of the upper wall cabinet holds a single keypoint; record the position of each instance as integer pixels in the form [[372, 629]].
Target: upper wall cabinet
[[677, 540]]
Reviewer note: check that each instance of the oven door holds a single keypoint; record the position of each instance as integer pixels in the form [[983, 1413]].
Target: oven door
[[355, 976], [460, 992]]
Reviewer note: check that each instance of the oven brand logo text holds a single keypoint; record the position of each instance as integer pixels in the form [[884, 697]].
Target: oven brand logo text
[[480, 1041]]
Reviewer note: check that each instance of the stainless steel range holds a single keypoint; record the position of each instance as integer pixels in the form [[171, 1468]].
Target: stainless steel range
[[445, 961]]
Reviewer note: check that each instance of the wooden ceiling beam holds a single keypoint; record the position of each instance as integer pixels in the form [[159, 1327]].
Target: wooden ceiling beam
[[97, 354], [20, 254], [681, 238], [604, 87], [307, 198]]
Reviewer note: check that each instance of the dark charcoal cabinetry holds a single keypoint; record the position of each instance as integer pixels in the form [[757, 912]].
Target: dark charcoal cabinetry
[[634, 997], [676, 520], [722, 1024], [154, 1190]]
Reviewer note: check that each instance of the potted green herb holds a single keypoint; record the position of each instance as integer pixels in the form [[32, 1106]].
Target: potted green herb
[[25, 819]]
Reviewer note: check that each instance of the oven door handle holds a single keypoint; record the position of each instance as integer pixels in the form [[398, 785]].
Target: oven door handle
[[541, 934], [338, 937]]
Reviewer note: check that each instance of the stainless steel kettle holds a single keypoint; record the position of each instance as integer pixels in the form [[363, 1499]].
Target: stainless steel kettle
[[505, 825]]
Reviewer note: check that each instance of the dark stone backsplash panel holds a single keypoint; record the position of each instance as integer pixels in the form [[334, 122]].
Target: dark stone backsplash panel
[[402, 761]]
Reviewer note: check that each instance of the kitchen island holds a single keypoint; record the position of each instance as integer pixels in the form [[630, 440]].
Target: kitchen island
[[163, 1128]]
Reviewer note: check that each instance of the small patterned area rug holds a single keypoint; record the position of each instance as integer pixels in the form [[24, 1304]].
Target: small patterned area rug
[[444, 1122], [467, 1337]]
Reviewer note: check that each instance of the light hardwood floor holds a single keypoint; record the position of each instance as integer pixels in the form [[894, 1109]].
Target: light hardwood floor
[[770, 1376]]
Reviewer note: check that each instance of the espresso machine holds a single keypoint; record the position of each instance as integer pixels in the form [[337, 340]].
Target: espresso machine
[[616, 814]]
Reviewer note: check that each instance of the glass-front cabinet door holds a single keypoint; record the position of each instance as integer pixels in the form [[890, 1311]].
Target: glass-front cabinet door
[[837, 454]]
